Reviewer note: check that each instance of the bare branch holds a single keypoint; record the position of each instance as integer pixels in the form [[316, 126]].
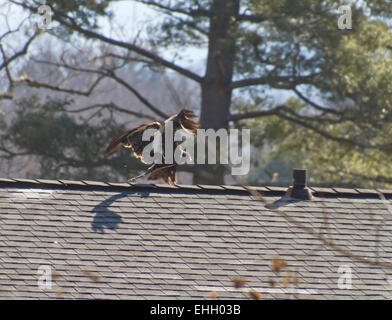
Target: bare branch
[[9, 93], [309, 229], [190, 13], [138, 95], [315, 105], [37, 84], [113, 106], [109, 73], [282, 82], [194, 26], [17, 29], [255, 114], [21, 52], [199, 12], [288, 114], [278, 111], [6, 63], [68, 22]]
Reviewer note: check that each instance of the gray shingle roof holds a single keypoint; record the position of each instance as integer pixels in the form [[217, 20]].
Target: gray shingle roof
[[107, 240]]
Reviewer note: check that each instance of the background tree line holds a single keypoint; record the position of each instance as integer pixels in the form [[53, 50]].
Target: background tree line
[[312, 94]]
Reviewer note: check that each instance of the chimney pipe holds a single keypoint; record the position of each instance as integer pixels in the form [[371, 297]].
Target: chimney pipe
[[299, 190]]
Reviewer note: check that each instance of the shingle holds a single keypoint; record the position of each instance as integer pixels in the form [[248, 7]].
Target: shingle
[[53, 182], [26, 181], [72, 183], [345, 190], [210, 187], [277, 189], [234, 188], [94, 183], [191, 187], [118, 184], [8, 181], [367, 191], [162, 239], [263, 190], [323, 190]]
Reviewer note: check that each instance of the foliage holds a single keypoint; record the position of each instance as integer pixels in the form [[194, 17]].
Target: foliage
[[330, 163], [65, 147], [337, 119], [341, 130]]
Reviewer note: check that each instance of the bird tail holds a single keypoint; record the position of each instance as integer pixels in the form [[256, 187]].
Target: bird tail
[[165, 172], [116, 142], [187, 124]]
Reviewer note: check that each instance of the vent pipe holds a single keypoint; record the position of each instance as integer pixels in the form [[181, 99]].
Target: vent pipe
[[299, 190]]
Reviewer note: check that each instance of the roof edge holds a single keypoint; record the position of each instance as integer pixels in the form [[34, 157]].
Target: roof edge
[[269, 190]]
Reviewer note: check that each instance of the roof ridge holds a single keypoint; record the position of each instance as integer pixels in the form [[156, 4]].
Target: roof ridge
[[63, 183]]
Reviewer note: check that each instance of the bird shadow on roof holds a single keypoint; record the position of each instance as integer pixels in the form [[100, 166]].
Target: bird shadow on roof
[[105, 218], [284, 201]]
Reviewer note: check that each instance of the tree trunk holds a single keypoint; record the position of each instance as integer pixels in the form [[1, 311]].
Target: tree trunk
[[215, 88]]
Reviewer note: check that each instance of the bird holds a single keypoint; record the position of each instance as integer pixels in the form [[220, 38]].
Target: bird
[[133, 139]]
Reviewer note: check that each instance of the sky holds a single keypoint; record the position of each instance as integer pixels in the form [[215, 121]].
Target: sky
[[130, 20], [133, 18]]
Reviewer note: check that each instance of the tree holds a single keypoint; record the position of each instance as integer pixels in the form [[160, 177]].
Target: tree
[[337, 79], [63, 147], [47, 133]]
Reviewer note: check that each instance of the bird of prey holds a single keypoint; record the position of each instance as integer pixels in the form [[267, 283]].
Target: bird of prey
[[133, 139]]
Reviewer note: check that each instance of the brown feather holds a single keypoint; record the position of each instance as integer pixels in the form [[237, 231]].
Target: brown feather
[[167, 173], [184, 119], [190, 126], [133, 139], [117, 141]]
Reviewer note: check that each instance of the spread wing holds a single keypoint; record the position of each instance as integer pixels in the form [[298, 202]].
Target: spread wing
[[133, 139]]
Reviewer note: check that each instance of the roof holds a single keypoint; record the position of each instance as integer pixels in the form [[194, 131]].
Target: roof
[[121, 241]]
